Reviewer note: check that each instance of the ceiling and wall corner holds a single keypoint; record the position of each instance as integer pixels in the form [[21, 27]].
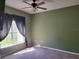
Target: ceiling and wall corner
[[49, 4]]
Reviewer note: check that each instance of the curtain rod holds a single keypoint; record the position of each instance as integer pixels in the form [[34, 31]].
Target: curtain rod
[[12, 14]]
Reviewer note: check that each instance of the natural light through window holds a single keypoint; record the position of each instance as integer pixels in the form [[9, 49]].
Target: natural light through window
[[14, 37]]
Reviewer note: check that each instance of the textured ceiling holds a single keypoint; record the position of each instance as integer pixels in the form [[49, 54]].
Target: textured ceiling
[[49, 4]]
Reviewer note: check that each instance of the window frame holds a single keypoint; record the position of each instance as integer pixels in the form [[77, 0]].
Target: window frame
[[12, 49]]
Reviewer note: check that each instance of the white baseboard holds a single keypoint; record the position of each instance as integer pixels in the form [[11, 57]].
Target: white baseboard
[[58, 50]]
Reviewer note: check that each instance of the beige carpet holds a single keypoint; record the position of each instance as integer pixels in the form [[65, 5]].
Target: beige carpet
[[41, 53]]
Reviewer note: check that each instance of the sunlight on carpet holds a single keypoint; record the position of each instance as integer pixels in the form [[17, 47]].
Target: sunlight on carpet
[[25, 51]]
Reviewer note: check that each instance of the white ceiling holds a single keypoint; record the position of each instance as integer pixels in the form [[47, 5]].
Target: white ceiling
[[49, 4]]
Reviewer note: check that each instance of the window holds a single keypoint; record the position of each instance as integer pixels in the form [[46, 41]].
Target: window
[[13, 38]]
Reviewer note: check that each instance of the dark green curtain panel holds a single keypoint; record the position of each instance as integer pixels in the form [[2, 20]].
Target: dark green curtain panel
[[2, 9], [2, 6], [1, 23]]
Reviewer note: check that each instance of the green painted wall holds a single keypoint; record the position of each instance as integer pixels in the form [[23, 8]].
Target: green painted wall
[[57, 28], [2, 6]]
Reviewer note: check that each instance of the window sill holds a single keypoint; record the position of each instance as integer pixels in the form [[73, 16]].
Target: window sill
[[12, 49]]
